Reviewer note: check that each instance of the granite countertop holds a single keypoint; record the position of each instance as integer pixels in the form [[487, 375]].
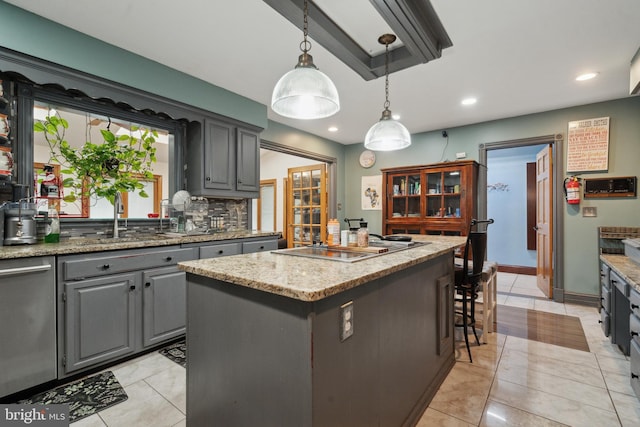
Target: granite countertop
[[82, 245], [625, 267], [309, 279]]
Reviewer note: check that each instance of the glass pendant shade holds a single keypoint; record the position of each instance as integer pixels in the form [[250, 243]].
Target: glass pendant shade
[[387, 135], [305, 93]]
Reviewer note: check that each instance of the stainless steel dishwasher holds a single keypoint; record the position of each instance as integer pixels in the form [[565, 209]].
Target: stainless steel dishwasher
[[27, 323]]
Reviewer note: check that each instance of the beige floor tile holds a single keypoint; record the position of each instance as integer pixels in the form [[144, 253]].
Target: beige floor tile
[[522, 302], [628, 408], [501, 298], [91, 421], [570, 370], [526, 280], [484, 356], [464, 392], [559, 409], [549, 306], [140, 368], [433, 418], [555, 385], [181, 423], [582, 311], [497, 414], [144, 408], [552, 351], [172, 385], [618, 382], [527, 290], [613, 364]]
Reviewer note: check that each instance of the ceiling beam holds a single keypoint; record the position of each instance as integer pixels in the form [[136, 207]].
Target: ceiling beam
[[414, 22]]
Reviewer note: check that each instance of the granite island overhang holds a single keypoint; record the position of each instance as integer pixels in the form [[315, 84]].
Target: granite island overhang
[[266, 342]]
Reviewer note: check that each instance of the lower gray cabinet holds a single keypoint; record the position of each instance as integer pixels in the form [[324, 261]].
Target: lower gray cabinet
[[117, 303], [99, 320], [164, 305]]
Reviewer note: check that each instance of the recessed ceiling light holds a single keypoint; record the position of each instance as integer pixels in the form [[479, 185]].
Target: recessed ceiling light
[[469, 101], [333, 129], [586, 76]]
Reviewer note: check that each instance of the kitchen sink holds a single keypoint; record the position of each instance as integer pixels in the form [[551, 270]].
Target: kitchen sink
[[346, 255]]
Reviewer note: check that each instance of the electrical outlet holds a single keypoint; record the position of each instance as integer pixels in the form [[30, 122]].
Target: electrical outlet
[[589, 211], [346, 320]]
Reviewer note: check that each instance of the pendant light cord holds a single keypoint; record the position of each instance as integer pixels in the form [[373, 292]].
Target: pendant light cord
[[386, 77], [305, 45]]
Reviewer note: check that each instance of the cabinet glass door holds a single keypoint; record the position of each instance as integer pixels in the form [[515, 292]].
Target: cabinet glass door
[[443, 194], [307, 221], [405, 196]]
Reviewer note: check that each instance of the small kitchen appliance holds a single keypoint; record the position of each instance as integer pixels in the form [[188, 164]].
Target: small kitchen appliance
[[20, 223]]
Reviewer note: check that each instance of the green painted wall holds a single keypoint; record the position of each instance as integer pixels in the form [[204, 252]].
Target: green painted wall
[[580, 234], [25, 32]]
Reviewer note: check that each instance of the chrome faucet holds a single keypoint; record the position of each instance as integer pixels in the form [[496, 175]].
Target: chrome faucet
[[118, 208]]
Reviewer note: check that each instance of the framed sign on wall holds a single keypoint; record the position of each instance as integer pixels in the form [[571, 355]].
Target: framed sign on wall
[[588, 145]]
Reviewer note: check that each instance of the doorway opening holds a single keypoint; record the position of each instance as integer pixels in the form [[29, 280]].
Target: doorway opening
[[503, 202]]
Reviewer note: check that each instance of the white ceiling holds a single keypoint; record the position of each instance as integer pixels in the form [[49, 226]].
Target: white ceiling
[[515, 57]]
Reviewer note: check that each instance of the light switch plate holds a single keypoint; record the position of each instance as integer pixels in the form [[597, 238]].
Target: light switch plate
[[589, 211]]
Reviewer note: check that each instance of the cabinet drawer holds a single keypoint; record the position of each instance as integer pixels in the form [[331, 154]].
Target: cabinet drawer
[[604, 274], [634, 300], [114, 262], [606, 299], [259, 246], [605, 322], [619, 283], [635, 367], [225, 249]]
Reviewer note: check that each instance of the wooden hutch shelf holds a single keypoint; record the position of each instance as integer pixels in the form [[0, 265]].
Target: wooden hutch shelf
[[438, 198]]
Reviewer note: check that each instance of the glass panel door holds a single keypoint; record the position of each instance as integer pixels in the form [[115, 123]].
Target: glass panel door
[[308, 205]]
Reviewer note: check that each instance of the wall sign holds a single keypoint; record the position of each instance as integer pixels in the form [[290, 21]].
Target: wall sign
[[588, 145], [371, 192]]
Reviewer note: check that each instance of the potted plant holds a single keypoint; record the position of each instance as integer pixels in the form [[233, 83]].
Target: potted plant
[[116, 165]]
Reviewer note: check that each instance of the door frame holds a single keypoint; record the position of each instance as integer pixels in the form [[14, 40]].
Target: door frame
[[557, 149]]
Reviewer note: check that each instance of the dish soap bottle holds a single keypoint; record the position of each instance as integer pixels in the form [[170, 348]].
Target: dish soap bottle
[[53, 228]]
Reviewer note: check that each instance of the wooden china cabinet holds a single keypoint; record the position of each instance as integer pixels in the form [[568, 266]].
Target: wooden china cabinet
[[439, 198]]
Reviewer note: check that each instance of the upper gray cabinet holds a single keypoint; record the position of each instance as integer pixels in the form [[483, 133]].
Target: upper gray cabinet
[[223, 160]]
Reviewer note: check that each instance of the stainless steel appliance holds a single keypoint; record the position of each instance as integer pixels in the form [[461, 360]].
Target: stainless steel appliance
[[20, 223], [27, 316]]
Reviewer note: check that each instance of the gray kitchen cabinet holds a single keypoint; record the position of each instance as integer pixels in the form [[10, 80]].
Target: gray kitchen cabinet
[[634, 348], [259, 245], [99, 320], [605, 299], [164, 306], [118, 303], [620, 334], [223, 160]]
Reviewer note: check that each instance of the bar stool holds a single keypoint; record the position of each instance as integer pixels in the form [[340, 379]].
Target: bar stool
[[467, 278]]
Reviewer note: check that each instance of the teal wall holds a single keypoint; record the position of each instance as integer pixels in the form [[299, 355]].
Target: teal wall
[[580, 234], [25, 32]]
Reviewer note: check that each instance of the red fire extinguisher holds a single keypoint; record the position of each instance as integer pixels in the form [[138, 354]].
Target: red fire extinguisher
[[572, 190]]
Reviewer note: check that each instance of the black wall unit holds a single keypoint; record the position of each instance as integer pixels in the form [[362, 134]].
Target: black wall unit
[[610, 187]]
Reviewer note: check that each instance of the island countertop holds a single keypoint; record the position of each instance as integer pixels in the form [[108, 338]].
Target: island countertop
[[308, 279]]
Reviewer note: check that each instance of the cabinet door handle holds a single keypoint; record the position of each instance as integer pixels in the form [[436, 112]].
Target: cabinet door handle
[[132, 288], [614, 281], [261, 247], [633, 376], [220, 252], [168, 258], [106, 266], [207, 179], [599, 321], [148, 284], [634, 306]]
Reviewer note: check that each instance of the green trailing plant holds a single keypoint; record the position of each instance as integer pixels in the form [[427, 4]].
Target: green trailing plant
[[116, 165]]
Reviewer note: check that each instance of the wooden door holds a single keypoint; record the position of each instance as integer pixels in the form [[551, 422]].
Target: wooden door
[[544, 221], [307, 205]]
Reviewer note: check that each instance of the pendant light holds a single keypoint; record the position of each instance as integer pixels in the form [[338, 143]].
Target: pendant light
[[305, 92], [388, 134]]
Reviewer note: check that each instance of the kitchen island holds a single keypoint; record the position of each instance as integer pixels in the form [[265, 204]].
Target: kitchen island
[[291, 341]]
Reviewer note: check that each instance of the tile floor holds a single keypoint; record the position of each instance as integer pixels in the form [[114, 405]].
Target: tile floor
[[512, 381]]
